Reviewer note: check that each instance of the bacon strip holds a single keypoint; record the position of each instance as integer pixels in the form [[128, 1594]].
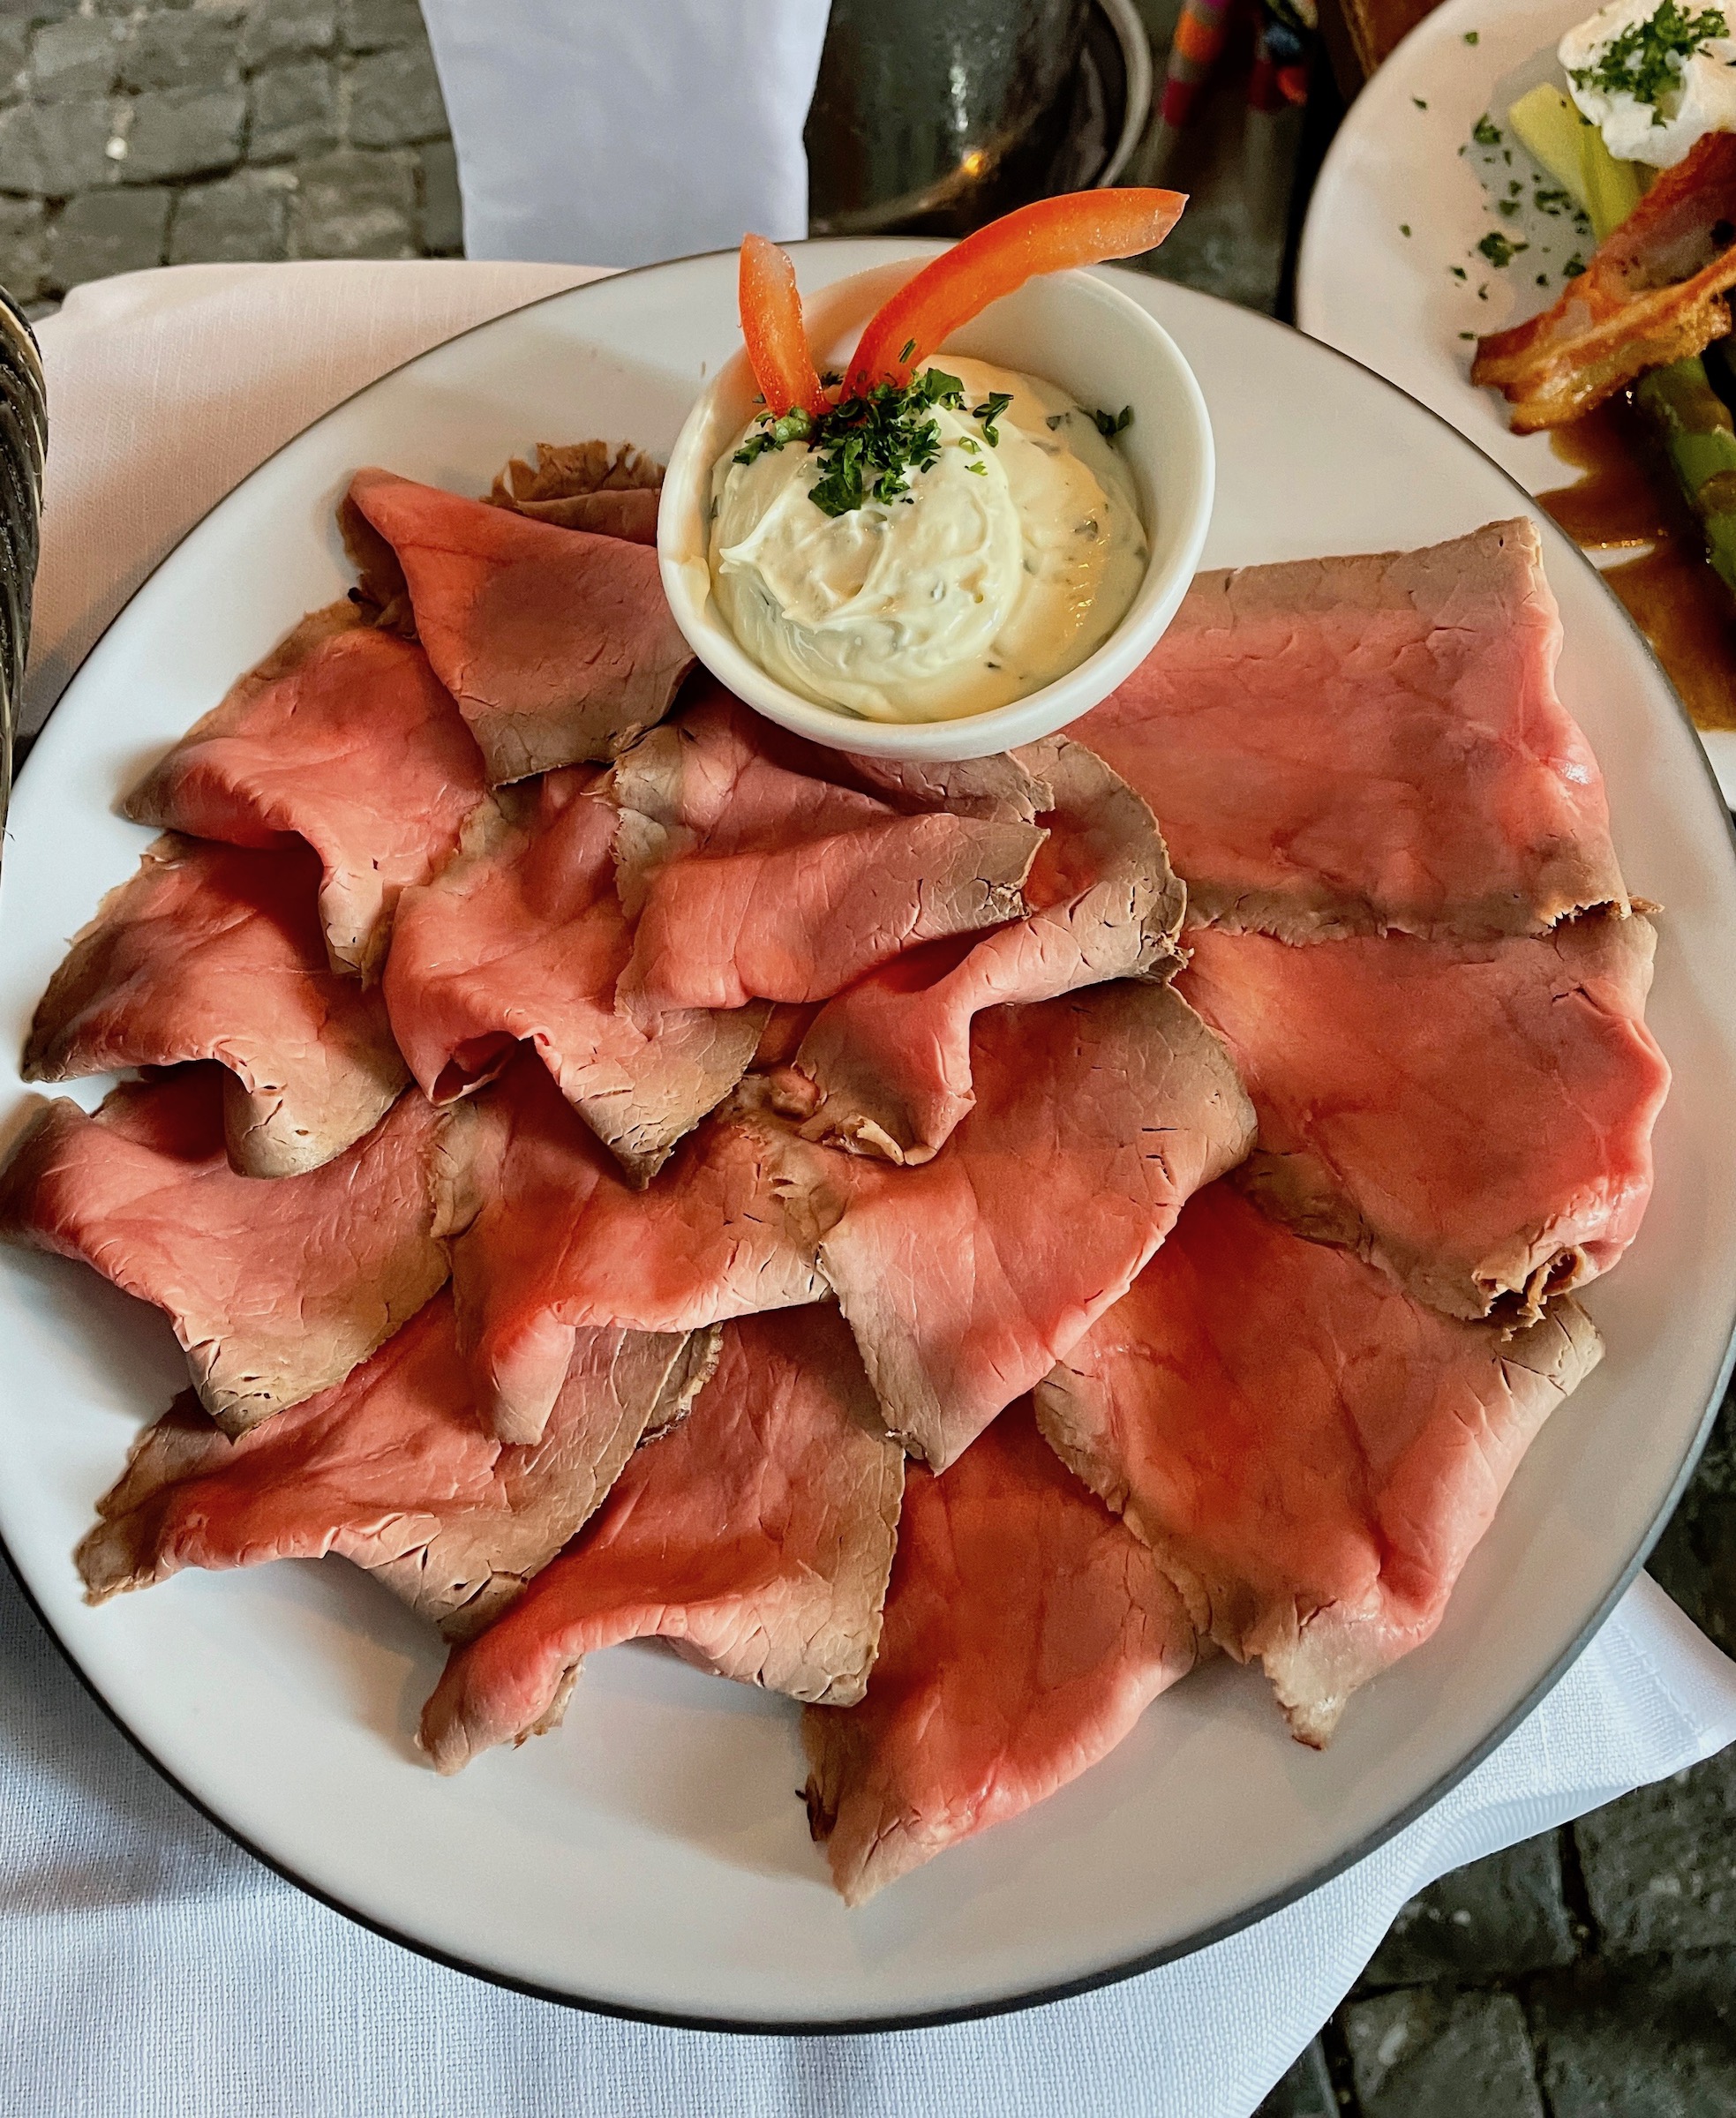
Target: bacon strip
[[1652, 294]]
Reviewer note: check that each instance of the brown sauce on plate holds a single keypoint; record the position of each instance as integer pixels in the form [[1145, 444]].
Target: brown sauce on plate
[[1627, 498]]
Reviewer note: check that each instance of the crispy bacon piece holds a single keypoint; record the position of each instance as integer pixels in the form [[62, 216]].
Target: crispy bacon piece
[[1027, 1631], [275, 1290], [756, 1538], [1652, 294], [393, 1470], [1310, 1455], [216, 952], [344, 737]]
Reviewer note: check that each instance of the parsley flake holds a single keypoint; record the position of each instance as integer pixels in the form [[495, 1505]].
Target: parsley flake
[[1472, 37], [1420, 104], [1499, 249], [1486, 132], [1404, 228], [1112, 423], [988, 411], [1646, 60]]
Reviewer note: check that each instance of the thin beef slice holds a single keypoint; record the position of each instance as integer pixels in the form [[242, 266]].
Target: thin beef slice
[[343, 736], [216, 952], [523, 937], [558, 644], [1370, 744], [547, 1240], [275, 1290], [891, 1058], [1027, 1631], [964, 1280], [393, 1470], [1476, 1116], [1310, 1455], [750, 878], [756, 1538]]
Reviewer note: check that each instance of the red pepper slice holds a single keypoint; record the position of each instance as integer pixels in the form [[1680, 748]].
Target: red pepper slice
[[1081, 228], [771, 324]]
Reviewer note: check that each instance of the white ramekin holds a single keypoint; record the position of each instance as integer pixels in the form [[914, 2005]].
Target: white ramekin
[[1072, 330]]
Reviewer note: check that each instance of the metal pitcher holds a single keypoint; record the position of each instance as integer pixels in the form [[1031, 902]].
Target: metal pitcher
[[939, 117]]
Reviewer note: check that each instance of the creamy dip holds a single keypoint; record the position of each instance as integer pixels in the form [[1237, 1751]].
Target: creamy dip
[[1006, 567]]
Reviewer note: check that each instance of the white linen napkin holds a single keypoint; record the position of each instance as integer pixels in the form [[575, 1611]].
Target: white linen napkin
[[151, 1970], [624, 132]]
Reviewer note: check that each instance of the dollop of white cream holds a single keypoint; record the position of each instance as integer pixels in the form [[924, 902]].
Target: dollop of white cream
[[1702, 101], [1003, 568]]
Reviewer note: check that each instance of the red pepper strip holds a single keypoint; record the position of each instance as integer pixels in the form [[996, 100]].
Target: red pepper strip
[[1081, 228], [771, 324]]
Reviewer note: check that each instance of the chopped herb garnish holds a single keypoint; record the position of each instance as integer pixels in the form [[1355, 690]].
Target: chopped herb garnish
[[1499, 249], [1507, 208], [1112, 423], [909, 348], [1573, 268], [794, 426], [1483, 292], [1055, 420], [1486, 132], [1542, 279], [1458, 270], [988, 411], [1548, 199], [1472, 37], [979, 471], [1420, 104], [1468, 334], [1513, 188], [1404, 228], [1646, 60]]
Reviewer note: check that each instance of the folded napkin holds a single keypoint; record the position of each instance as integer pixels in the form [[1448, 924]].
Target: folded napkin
[[620, 134], [148, 1967]]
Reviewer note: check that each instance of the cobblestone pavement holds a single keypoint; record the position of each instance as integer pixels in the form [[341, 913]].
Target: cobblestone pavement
[[221, 130], [1589, 1974]]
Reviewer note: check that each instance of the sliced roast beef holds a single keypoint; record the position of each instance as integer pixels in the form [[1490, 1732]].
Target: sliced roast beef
[[1011, 785], [217, 952], [1354, 746], [752, 880], [343, 736], [1097, 1116], [1477, 1116], [275, 1290], [892, 1057], [964, 1280], [393, 1470], [523, 936], [585, 486], [1310, 1453], [556, 644], [756, 1538], [548, 1240], [1027, 1631]]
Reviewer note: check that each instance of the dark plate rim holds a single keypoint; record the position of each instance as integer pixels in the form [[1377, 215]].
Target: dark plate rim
[[1093, 1981]]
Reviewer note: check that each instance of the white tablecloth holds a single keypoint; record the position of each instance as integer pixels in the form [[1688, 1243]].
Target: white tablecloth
[[148, 1969]]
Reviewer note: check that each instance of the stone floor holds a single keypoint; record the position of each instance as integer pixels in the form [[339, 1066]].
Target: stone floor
[[216, 129], [1589, 1974]]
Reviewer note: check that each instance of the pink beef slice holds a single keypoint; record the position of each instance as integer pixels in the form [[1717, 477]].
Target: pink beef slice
[[756, 1538], [216, 952], [964, 1280], [1360, 745], [343, 736], [275, 1290], [1310, 1455], [891, 1058], [1475, 1115], [548, 1241], [558, 644], [1027, 1631], [753, 880], [523, 937], [1097, 1116], [393, 1470]]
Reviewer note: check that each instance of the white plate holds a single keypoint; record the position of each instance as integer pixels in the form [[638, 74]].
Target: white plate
[[1390, 300], [652, 1856]]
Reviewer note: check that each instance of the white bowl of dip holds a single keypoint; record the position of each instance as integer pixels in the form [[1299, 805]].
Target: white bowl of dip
[[1071, 330]]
